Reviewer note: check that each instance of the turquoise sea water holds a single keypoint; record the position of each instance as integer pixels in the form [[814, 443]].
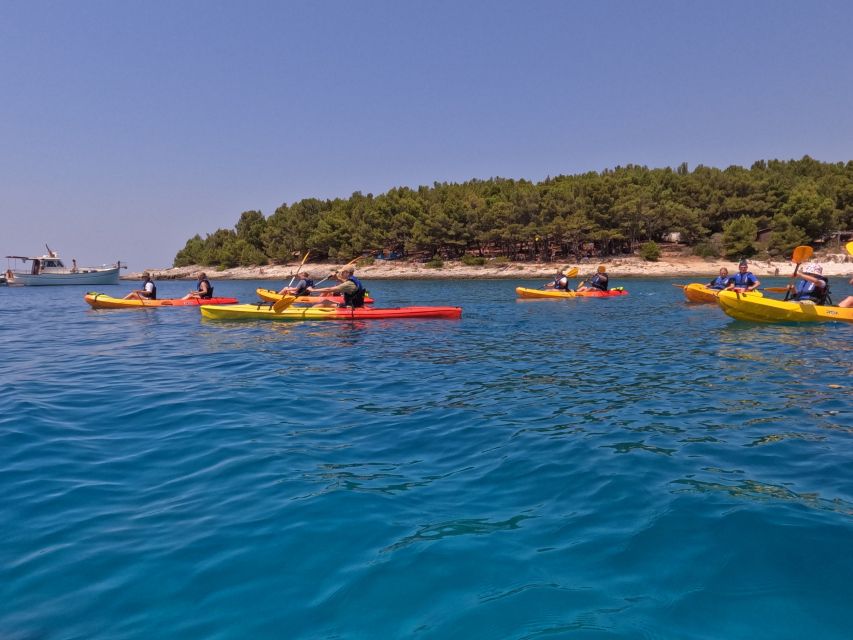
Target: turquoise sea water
[[624, 468]]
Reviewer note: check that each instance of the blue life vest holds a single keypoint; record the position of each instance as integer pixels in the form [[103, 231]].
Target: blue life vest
[[302, 287], [599, 281], [558, 284], [810, 291], [743, 280], [720, 282], [153, 294], [209, 293], [356, 298]]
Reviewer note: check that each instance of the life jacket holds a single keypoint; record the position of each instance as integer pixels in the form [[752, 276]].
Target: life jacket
[[302, 287], [599, 281], [720, 282], [743, 280], [561, 283], [152, 295], [209, 293], [810, 291], [356, 298]]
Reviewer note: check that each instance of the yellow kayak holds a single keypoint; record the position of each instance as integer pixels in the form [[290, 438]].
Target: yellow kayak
[[696, 292], [524, 292], [268, 295], [754, 308]]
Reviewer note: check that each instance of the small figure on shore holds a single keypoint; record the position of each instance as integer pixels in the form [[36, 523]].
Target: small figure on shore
[[303, 287], [599, 282], [721, 281], [813, 287], [350, 288], [743, 280], [204, 289], [147, 292], [73, 265]]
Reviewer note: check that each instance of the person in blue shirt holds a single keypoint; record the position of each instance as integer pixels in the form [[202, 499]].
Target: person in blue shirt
[[303, 287], [599, 282], [813, 285], [721, 281], [561, 281], [743, 280]]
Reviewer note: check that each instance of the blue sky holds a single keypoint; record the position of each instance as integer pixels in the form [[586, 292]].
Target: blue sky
[[128, 126]]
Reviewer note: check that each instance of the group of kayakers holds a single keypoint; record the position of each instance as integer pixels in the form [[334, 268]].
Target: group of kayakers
[[203, 290], [599, 281]]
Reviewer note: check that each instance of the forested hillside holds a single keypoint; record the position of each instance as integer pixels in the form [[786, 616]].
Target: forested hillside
[[765, 210]]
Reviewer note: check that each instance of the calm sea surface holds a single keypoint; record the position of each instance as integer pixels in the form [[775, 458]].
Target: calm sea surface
[[624, 468]]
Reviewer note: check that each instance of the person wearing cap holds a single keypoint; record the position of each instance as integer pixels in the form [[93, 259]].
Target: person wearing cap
[[743, 280], [303, 287], [721, 281], [204, 289], [350, 288], [561, 280], [147, 292], [599, 282], [813, 286]]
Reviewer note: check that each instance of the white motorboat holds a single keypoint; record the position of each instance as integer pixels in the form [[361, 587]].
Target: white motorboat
[[49, 269]]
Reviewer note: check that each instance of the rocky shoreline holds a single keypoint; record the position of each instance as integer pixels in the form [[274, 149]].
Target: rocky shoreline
[[833, 265]]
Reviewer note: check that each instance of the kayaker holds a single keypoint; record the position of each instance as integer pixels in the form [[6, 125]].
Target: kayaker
[[147, 292], [743, 280], [814, 286], [599, 282], [721, 281], [303, 287], [204, 289], [350, 288], [848, 301], [561, 281]]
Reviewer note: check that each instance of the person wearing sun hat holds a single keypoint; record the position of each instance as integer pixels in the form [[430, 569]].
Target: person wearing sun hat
[[813, 286], [561, 279], [743, 280], [599, 282]]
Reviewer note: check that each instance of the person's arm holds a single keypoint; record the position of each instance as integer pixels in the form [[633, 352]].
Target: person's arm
[[810, 278], [755, 284]]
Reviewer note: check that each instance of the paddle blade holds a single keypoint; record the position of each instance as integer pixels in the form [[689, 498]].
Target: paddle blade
[[849, 247], [801, 254], [574, 270], [284, 303], [776, 289]]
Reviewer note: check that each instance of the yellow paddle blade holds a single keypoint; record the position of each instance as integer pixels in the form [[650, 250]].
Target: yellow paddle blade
[[801, 254], [571, 273], [284, 303], [849, 247]]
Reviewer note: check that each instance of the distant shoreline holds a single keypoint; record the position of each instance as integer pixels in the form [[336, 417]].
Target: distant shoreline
[[833, 265]]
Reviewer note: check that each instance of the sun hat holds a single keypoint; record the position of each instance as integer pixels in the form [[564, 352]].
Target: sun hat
[[813, 267]]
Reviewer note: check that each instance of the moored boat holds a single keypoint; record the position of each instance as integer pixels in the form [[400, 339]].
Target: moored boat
[[103, 301], [268, 295], [755, 308], [524, 292], [49, 270], [264, 312]]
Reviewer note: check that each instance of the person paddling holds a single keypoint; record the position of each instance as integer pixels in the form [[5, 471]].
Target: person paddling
[[743, 280], [813, 287], [350, 288], [721, 281], [147, 292], [204, 289], [303, 287], [599, 282], [561, 280]]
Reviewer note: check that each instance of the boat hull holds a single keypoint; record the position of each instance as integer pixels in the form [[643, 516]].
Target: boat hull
[[700, 293], [752, 308], [263, 312], [103, 301], [85, 277], [524, 292], [268, 295]]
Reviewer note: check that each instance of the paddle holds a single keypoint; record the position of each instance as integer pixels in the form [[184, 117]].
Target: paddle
[[301, 264], [849, 247], [801, 254], [569, 273], [776, 289], [348, 264], [284, 303]]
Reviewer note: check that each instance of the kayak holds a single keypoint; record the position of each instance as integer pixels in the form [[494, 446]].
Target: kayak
[[268, 295], [754, 308], [103, 301], [263, 312], [523, 292], [696, 292]]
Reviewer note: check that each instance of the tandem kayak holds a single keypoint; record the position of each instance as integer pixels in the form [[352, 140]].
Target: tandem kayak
[[696, 292], [263, 312], [268, 295], [523, 292], [754, 308], [103, 301]]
